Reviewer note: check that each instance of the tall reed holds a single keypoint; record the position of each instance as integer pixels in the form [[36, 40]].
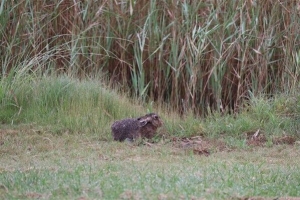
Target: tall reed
[[193, 55]]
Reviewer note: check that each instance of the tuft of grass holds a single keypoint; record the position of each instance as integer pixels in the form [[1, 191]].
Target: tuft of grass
[[273, 117], [64, 104]]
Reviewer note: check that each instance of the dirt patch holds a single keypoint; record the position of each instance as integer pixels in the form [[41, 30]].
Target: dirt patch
[[4, 132], [204, 146], [259, 139], [33, 195], [264, 198], [199, 145], [256, 138], [8, 131], [284, 140]]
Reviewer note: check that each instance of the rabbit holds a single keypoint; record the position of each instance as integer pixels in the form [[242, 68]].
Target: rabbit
[[134, 128]]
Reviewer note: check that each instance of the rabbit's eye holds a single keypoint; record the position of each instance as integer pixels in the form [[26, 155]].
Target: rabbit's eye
[[155, 117]]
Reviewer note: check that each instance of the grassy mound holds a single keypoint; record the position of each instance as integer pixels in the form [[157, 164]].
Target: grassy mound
[[88, 107]]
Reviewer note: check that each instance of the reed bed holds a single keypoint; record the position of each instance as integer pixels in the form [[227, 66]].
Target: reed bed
[[199, 56]]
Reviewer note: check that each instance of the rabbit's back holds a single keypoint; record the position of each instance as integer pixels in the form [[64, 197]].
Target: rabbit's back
[[126, 128]]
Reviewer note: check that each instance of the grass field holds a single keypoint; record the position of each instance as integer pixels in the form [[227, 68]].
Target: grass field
[[55, 143], [35, 164]]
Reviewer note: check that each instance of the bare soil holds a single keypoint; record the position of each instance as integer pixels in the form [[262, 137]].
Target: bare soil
[[205, 146]]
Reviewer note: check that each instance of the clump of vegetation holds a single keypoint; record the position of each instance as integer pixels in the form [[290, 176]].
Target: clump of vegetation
[[65, 103], [87, 106], [192, 55]]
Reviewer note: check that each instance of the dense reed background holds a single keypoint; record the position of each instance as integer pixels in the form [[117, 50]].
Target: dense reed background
[[193, 55]]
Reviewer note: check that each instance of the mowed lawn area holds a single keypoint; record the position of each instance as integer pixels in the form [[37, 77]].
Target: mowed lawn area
[[37, 164]]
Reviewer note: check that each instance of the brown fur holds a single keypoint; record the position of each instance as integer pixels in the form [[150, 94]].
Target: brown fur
[[133, 128]]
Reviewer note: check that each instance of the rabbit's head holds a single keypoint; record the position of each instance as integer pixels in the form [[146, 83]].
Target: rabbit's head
[[152, 119]]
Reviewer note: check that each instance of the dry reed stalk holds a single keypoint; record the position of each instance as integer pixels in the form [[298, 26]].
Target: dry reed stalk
[[193, 55]]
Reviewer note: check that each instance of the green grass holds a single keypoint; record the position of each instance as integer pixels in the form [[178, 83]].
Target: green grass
[[64, 104], [88, 107], [55, 143], [37, 164]]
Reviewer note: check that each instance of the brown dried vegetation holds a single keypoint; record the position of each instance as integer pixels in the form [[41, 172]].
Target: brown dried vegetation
[[190, 54], [204, 146]]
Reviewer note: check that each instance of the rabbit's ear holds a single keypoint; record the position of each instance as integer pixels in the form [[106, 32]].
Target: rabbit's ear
[[143, 122]]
